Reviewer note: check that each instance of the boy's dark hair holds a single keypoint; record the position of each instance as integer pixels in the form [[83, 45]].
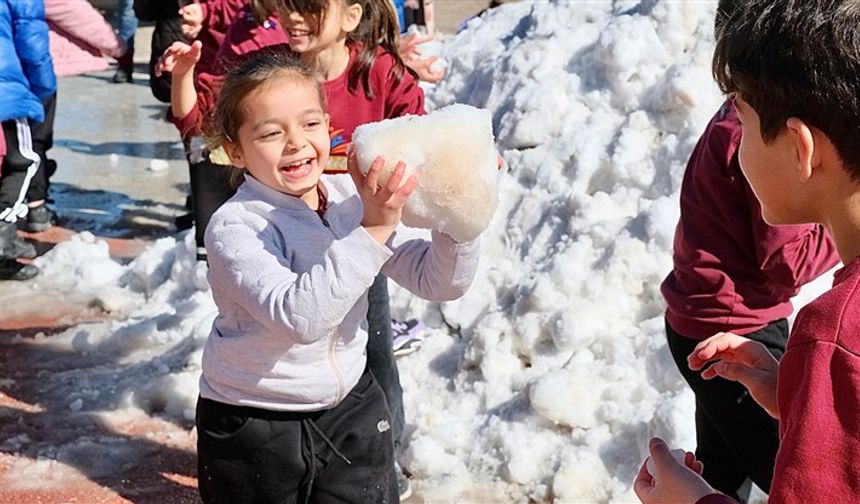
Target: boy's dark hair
[[725, 10], [797, 58], [378, 28]]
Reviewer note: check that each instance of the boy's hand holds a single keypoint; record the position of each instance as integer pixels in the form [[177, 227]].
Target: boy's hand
[[178, 59], [742, 360], [192, 19], [672, 481], [383, 205]]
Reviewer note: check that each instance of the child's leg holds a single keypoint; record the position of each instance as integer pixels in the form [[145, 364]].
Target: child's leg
[[248, 455], [359, 428], [19, 167], [736, 438], [380, 354], [43, 140]]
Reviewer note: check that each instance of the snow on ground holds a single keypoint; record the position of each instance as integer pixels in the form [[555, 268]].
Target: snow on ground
[[547, 379]]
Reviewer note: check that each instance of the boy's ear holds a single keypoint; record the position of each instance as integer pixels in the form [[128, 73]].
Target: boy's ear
[[807, 153], [352, 17], [234, 153]]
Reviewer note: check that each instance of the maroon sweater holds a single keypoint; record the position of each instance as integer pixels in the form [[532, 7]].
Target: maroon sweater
[[818, 391], [732, 271], [391, 99]]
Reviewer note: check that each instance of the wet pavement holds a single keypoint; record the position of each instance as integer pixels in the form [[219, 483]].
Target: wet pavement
[[121, 168]]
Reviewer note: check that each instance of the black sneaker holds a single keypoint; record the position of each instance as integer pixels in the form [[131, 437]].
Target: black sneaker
[[123, 76], [22, 248], [184, 221], [39, 219], [11, 245], [407, 336], [11, 269]]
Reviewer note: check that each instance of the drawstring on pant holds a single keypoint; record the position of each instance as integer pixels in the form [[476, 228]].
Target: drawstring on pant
[[310, 454]]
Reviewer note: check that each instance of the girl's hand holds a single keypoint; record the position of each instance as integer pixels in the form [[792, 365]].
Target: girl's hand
[[192, 19], [423, 68], [742, 360], [383, 205], [407, 45], [179, 58], [671, 481]]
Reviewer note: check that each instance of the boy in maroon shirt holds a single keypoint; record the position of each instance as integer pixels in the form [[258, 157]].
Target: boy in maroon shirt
[[792, 69], [733, 272]]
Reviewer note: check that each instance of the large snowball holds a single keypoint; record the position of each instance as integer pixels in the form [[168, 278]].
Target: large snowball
[[454, 152]]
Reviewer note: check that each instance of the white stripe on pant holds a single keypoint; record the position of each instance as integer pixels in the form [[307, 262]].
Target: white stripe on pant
[[25, 147]]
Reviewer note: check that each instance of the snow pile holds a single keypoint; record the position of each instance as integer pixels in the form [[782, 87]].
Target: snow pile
[[452, 150], [547, 379], [561, 373]]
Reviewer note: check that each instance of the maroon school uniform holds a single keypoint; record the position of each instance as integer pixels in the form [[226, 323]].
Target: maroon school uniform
[[391, 99], [818, 393], [732, 271], [218, 15]]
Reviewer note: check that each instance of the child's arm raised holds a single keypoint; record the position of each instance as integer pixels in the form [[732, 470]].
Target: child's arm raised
[[179, 59]]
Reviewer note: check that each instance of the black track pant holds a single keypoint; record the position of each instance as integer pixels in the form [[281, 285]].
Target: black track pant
[[250, 455], [735, 437], [43, 140], [18, 169]]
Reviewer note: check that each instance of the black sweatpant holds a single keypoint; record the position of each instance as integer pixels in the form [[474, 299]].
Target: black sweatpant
[[210, 188], [340, 455], [735, 437], [43, 140], [18, 169]]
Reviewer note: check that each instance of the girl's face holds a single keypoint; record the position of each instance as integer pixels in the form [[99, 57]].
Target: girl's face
[[283, 141], [307, 34]]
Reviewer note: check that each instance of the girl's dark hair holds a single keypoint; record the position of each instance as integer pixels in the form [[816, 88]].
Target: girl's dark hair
[[260, 10], [796, 58], [263, 68], [378, 28]]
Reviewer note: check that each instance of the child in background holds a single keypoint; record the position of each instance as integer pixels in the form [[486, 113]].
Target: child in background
[[207, 23], [26, 79], [167, 30], [733, 272], [288, 409], [792, 69], [126, 25]]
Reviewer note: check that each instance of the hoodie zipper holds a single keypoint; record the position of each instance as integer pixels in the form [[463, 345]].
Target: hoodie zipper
[[332, 343]]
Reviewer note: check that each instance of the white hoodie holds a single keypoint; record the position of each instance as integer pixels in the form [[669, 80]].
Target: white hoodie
[[291, 290]]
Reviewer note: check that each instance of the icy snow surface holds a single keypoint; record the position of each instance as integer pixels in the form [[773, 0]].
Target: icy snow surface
[[452, 150], [547, 379]]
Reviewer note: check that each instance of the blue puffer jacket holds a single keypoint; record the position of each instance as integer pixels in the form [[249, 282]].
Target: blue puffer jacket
[[26, 71]]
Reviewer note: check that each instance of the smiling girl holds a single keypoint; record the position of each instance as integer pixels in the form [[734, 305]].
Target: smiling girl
[[288, 409]]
